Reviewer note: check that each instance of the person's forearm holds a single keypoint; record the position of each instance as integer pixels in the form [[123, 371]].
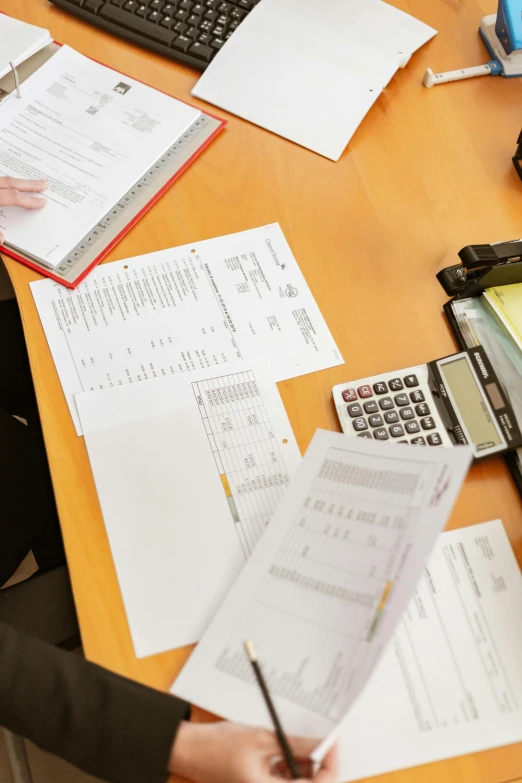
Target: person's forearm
[[108, 726]]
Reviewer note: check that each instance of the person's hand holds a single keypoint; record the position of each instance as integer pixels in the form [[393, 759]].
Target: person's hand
[[14, 193], [230, 753]]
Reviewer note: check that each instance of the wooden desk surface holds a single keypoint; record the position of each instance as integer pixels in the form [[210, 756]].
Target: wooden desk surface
[[428, 172]]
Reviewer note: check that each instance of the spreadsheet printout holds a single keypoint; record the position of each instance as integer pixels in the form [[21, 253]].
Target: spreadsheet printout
[[328, 582], [202, 305], [450, 682], [189, 470]]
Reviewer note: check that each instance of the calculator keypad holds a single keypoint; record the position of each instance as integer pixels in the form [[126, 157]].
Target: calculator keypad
[[391, 408]]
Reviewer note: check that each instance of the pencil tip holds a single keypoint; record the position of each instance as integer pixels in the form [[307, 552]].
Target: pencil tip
[[250, 650]]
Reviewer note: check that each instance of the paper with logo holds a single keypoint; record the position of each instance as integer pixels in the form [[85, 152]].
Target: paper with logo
[[240, 296]]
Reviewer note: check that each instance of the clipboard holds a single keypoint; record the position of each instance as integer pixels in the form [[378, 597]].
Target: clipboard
[[513, 462], [103, 236]]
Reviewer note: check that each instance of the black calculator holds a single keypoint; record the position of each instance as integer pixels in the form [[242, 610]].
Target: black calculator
[[450, 401]]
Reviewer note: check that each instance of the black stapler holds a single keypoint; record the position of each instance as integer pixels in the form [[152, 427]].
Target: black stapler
[[481, 267]]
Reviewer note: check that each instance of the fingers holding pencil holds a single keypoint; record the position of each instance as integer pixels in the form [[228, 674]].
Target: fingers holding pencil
[[302, 749]]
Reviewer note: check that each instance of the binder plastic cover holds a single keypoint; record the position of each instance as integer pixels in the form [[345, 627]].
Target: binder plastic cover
[[130, 208], [510, 458]]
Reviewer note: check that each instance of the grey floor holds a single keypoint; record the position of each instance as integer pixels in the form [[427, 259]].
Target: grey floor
[[44, 767]]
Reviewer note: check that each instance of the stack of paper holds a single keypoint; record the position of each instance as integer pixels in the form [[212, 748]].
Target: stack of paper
[[506, 301], [19, 41], [309, 70]]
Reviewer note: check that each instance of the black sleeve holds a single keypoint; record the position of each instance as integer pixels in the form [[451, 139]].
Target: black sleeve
[[107, 725]]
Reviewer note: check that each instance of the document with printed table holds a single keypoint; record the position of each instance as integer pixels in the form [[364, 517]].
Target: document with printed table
[[189, 470], [206, 304], [325, 588], [109, 147]]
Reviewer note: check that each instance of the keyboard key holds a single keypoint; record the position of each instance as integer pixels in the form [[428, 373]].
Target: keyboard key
[[225, 8], [193, 21], [380, 388], [186, 4], [192, 33], [180, 28], [371, 406], [407, 413], [218, 31], [355, 410], [418, 441], [349, 395], [364, 435], [359, 424], [412, 427], [197, 10], [428, 423], [217, 43], [396, 430], [401, 399], [381, 434], [205, 38], [142, 11], [238, 14], [411, 380], [169, 9], [434, 439], [417, 396], [93, 5], [202, 51], [395, 384], [156, 5], [391, 417], [375, 420], [155, 17], [119, 3], [385, 403], [182, 43], [167, 22], [138, 25], [365, 391], [422, 409], [130, 5], [182, 15]]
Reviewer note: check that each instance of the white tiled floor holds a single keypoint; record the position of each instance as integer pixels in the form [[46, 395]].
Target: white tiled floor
[[44, 767]]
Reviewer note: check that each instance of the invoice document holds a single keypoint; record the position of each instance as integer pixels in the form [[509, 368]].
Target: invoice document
[[310, 70], [189, 470], [327, 584], [92, 133], [19, 41], [201, 305], [450, 682]]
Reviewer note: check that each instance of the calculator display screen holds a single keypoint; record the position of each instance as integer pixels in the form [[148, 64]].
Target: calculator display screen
[[469, 400]]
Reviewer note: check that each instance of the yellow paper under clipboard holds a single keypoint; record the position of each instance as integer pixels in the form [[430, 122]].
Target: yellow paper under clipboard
[[506, 301]]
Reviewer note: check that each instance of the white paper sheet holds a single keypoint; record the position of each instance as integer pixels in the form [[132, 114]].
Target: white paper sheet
[[18, 41], [93, 134], [309, 70], [450, 682], [327, 584], [189, 470], [240, 296]]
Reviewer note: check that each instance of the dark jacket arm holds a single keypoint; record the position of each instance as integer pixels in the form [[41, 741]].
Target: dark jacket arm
[[107, 725]]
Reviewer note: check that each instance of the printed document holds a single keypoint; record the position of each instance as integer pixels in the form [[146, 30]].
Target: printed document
[[93, 134], [310, 70], [19, 41], [189, 470], [450, 682], [327, 584], [240, 296]]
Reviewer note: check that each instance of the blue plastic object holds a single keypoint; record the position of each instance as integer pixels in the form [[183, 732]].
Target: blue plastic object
[[509, 24]]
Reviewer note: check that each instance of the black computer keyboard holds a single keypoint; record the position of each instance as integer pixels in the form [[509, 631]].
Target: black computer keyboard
[[188, 31]]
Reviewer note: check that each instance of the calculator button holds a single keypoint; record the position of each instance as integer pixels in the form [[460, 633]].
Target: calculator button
[[385, 403], [395, 384], [364, 434], [365, 391], [380, 388], [411, 380], [375, 420], [349, 395], [391, 417], [434, 439], [381, 434], [407, 413], [417, 396], [396, 431], [428, 423], [412, 427], [422, 409], [354, 410], [418, 441], [401, 399], [359, 424], [371, 406], [402, 441]]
